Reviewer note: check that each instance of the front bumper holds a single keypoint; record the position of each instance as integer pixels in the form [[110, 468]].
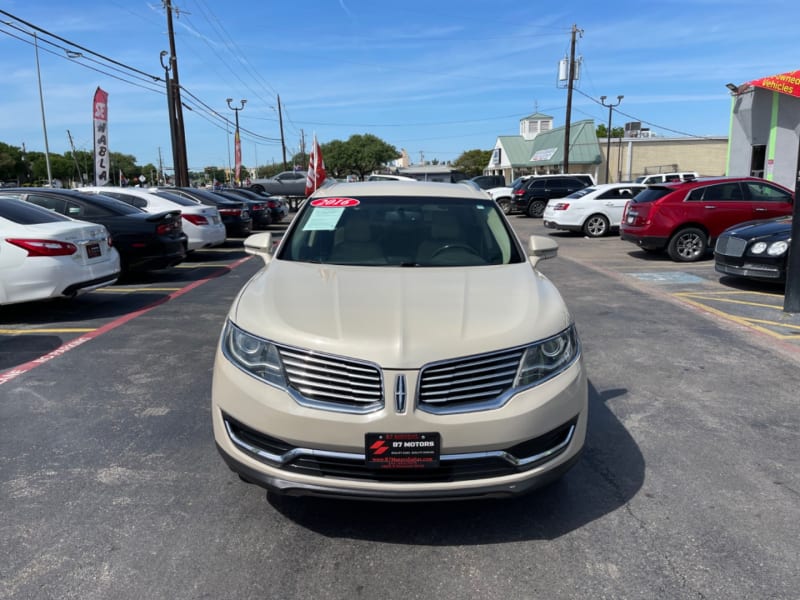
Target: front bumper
[[270, 440], [739, 267]]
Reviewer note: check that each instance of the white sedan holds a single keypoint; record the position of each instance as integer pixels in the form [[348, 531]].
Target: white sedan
[[595, 210], [46, 255], [201, 224]]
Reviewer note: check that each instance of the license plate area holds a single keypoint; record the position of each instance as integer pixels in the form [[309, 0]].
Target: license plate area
[[93, 251], [402, 450]]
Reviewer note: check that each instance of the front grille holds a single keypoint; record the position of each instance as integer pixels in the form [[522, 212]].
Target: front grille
[[467, 382], [331, 381], [458, 467], [730, 246]]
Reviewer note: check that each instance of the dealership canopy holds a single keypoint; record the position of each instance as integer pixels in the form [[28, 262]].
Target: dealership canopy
[[786, 83]]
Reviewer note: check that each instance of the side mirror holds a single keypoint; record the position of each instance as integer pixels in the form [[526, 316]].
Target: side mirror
[[540, 248], [260, 244]]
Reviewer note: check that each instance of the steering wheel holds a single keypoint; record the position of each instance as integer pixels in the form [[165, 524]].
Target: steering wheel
[[455, 246]]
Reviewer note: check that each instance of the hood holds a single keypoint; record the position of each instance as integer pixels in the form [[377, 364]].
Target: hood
[[756, 229], [400, 317]]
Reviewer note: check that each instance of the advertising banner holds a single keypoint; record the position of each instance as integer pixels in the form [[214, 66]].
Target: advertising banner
[[786, 83], [100, 118]]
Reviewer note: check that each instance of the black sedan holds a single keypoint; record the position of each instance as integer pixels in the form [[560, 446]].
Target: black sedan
[[145, 241], [755, 250], [262, 217], [235, 214], [277, 205]]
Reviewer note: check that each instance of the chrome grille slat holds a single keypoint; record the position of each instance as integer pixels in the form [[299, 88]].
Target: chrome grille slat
[[448, 382], [472, 380], [331, 377], [327, 381], [511, 365]]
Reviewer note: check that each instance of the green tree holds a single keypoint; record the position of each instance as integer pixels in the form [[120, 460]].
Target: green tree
[[473, 162], [12, 165], [359, 155], [616, 132]]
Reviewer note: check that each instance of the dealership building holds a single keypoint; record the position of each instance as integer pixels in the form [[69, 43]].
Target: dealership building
[[764, 137]]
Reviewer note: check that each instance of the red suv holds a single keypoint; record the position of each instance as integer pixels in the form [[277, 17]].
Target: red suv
[[686, 217]]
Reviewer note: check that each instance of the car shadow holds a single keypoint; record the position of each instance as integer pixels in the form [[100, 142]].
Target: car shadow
[[753, 285], [663, 257], [609, 473], [17, 350]]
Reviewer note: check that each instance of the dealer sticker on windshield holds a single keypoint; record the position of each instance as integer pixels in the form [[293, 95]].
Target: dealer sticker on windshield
[[334, 202], [402, 450]]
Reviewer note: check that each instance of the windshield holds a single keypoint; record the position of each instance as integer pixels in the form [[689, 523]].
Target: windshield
[[402, 231]]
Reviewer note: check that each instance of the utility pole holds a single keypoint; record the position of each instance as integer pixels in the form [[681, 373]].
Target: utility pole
[[791, 298], [571, 78], [182, 169], [608, 132], [283, 141], [303, 148], [41, 103], [173, 129], [75, 158]]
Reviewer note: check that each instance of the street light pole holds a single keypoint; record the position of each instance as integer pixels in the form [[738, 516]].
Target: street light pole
[[608, 131], [41, 103], [237, 142]]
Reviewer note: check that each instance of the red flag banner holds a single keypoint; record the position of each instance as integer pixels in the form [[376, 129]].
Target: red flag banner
[[786, 83], [316, 169], [237, 150], [100, 120]]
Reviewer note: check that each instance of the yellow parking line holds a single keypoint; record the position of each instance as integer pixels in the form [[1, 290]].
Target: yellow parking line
[[740, 320], [730, 301], [777, 323], [29, 331]]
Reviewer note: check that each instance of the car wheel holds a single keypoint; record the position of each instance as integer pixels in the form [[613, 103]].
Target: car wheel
[[505, 205], [257, 188], [536, 208], [688, 245], [596, 226]]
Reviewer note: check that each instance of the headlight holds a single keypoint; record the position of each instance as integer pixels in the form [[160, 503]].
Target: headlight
[[252, 354], [758, 248], [777, 248], [547, 358]]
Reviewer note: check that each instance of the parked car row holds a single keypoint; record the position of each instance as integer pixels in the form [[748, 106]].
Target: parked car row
[[138, 230], [744, 221]]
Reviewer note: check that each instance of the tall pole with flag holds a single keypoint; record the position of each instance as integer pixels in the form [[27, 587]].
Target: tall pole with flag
[[316, 169]]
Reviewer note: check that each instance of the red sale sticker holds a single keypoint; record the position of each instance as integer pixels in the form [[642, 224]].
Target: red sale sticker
[[334, 202]]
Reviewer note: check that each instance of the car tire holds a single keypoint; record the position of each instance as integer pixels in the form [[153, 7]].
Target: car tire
[[688, 245], [596, 226], [257, 188], [536, 208], [505, 205]]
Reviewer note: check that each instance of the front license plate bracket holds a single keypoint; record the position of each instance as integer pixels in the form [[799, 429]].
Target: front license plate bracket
[[402, 450]]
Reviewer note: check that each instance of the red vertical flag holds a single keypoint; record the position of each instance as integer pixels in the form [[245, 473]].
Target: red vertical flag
[[100, 120], [316, 169], [237, 149]]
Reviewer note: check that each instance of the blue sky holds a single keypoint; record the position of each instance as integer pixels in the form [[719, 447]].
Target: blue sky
[[434, 78]]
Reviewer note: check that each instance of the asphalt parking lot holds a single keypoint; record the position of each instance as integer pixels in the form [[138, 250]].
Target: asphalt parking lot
[[688, 488]]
